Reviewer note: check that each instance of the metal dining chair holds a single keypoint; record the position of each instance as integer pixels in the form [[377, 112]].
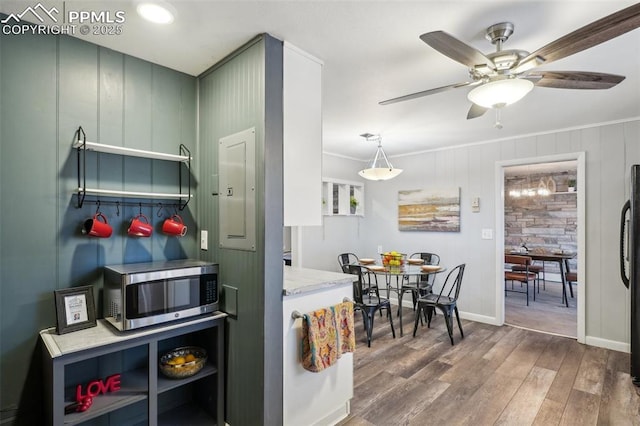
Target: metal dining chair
[[446, 301], [368, 303]]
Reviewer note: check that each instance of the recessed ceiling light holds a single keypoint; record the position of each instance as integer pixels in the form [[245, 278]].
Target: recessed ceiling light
[[156, 12]]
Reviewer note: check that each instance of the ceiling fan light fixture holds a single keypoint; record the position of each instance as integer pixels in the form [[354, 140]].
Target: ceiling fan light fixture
[[500, 93], [379, 168], [158, 12]]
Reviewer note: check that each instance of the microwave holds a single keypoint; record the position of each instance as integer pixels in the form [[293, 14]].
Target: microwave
[[143, 294]]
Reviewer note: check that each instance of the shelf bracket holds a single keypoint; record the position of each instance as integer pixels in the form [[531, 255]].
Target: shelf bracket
[[82, 152], [185, 151]]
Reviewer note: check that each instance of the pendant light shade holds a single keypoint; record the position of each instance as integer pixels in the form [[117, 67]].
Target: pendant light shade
[[499, 93], [379, 168]]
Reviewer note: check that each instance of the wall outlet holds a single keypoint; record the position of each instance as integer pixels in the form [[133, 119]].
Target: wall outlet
[[487, 234], [379, 249], [204, 240]]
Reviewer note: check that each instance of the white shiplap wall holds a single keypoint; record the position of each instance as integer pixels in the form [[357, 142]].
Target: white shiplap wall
[[609, 150]]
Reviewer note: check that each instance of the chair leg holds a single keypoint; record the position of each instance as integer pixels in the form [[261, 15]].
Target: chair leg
[[415, 325], [429, 315], [448, 323], [393, 330], [459, 324], [368, 326], [570, 288]]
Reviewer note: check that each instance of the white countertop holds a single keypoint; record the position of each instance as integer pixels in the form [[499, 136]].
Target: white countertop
[[104, 334], [302, 280]]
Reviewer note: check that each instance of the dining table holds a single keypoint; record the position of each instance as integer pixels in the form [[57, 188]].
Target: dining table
[[395, 277], [561, 258]]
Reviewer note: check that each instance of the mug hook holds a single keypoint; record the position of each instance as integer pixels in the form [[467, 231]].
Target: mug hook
[[97, 207]]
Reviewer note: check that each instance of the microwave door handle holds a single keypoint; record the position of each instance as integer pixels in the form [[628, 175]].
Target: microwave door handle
[[623, 233]]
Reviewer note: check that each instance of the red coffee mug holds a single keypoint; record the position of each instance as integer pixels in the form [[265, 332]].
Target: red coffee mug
[[174, 226], [140, 227], [97, 228]]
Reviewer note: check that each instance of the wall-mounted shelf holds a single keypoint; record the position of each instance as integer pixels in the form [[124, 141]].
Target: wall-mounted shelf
[[131, 152], [82, 145], [336, 197]]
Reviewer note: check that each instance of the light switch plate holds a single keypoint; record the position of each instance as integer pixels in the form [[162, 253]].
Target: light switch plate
[[204, 240], [487, 234]]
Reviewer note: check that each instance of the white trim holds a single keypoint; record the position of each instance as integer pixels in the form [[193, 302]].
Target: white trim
[[479, 318], [506, 138], [614, 345], [499, 211]]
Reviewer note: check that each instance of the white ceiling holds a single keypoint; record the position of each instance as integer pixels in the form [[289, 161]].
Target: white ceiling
[[371, 52]]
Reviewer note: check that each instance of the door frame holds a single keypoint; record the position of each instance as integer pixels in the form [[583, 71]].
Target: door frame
[[580, 231]]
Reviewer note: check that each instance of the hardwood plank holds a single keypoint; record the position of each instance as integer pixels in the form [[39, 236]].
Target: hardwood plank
[[549, 413], [404, 402], [520, 362], [477, 346], [563, 383], [448, 403], [554, 354], [581, 409], [488, 402], [371, 392], [590, 377], [524, 406], [619, 404]]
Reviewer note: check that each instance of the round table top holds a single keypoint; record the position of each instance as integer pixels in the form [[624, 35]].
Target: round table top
[[406, 269]]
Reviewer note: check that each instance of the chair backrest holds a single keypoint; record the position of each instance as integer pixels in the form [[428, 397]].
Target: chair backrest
[[345, 259], [517, 260], [451, 286], [429, 259], [358, 290]]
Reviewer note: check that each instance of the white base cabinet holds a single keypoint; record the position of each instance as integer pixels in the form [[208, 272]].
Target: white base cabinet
[[146, 396]]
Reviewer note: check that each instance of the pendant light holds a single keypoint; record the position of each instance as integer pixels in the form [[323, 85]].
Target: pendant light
[[379, 168]]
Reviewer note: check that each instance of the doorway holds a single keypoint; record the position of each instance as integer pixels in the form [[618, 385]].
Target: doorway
[[540, 216], [528, 187]]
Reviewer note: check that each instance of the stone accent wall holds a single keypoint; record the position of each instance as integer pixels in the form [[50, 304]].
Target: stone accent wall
[[541, 222]]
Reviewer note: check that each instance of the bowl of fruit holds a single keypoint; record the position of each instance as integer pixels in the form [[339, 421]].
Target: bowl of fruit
[[183, 362], [393, 260]]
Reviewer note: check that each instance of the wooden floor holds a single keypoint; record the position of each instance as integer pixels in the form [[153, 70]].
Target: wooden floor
[[495, 375], [547, 313]]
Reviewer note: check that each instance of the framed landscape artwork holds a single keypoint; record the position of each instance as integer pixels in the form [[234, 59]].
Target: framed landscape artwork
[[436, 210]]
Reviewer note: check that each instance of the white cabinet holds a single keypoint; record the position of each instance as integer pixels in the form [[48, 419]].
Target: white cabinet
[[342, 197], [302, 131]]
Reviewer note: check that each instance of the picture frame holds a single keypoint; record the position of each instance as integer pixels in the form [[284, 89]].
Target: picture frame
[[75, 309]]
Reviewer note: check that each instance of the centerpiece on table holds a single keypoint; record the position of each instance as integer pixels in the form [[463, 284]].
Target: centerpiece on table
[[393, 260]]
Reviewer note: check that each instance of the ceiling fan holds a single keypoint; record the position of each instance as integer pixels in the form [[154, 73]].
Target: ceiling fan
[[505, 76]]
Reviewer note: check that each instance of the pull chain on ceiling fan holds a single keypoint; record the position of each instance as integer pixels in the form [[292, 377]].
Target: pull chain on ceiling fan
[[504, 76]]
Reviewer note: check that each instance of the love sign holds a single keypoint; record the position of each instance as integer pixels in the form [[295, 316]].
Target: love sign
[[97, 387]]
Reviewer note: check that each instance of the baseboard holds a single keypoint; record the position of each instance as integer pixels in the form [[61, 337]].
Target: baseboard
[[479, 318], [335, 416], [608, 344]]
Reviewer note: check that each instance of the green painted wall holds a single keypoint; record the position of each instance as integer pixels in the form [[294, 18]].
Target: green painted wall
[[49, 86], [244, 91]]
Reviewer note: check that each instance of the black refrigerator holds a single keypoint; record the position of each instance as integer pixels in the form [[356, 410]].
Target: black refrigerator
[[630, 265]]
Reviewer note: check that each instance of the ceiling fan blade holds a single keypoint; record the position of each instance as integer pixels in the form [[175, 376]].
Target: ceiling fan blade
[[427, 92], [574, 79], [590, 35], [476, 111], [456, 49]]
